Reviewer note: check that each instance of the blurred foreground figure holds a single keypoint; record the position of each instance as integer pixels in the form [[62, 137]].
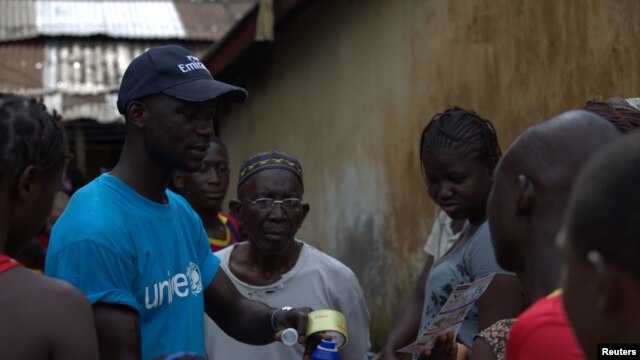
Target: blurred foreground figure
[[601, 247], [531, 189], [40, 318]]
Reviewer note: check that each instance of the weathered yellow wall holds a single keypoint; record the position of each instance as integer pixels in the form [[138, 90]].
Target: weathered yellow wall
[[350, 84]]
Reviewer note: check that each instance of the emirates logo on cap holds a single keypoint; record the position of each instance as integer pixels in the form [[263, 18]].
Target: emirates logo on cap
[[154, 72], [193, 64]]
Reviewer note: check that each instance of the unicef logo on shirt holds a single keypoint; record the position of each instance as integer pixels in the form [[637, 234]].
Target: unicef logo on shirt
[[175, 286], [193, 274]]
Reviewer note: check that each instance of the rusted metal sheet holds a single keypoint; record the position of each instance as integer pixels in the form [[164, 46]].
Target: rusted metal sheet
[[348, 86], [21, 67]]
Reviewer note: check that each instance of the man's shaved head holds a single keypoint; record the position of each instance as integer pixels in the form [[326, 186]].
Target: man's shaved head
[[532, 185]]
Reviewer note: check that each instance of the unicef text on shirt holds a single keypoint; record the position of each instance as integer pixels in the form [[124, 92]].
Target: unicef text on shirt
[[180, 285]]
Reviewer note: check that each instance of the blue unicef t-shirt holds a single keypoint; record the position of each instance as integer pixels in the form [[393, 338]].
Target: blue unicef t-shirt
[[119, 247]]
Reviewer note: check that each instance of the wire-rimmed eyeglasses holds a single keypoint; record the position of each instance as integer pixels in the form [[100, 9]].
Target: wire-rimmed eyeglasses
[[267, 204]]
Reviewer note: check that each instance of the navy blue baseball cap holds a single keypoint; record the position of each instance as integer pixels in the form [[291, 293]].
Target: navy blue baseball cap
[[174, 71]]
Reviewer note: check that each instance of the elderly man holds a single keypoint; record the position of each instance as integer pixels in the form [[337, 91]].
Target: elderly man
[[279, 270], [531, 189]]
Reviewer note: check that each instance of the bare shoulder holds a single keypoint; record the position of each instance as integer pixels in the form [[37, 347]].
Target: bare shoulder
[[57, 315], [61, 290], [46, 296]]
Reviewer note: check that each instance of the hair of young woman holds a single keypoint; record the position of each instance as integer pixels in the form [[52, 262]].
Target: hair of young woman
[[618, 111], [463, 131], [29, 135]]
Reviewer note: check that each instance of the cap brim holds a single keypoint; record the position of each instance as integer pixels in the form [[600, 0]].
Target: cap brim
[[207, 89]]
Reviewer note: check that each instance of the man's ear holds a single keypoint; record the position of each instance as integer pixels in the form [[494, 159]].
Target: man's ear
[[607, 281], [235, 207], [26, 184], [492, 172], [305, 211], [526, 192], [178, 180], [136, 113]]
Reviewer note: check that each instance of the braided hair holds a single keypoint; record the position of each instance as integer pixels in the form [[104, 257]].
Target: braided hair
[[460, 130], [29, 135], [618, 111]]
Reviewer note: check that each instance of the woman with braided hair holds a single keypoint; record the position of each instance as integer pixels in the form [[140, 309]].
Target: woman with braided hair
[[42, 318], [458, 153]]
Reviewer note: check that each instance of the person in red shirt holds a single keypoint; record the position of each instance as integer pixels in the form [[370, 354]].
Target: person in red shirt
[[205, 190], [525, 207], [599, 242], [42, 318]]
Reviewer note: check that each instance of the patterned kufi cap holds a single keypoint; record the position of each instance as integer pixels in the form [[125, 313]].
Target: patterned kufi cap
[[266, 161]]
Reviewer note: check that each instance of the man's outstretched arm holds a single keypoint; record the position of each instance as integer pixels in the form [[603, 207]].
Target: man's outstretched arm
[[118, 330], [247, 320]]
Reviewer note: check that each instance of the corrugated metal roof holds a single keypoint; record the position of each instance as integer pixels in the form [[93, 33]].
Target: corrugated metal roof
[[132, 19], [136, 19], [211, 20], [17, 19]]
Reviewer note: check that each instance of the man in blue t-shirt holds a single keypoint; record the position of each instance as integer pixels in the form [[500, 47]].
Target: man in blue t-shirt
[[137, 251]]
